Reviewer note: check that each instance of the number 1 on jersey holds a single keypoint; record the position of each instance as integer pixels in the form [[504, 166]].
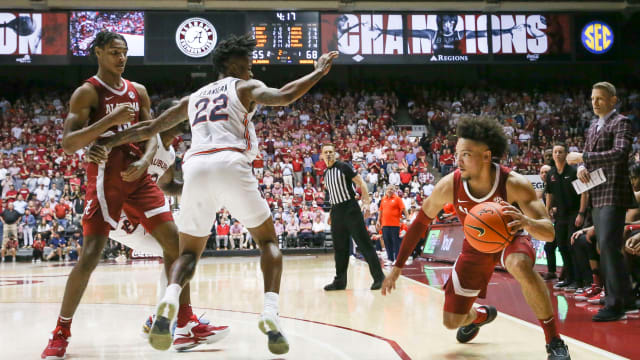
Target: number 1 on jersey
[[216, 113]]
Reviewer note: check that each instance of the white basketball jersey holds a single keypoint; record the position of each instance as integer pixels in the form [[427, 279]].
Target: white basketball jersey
[[219, 121], [163, 159]]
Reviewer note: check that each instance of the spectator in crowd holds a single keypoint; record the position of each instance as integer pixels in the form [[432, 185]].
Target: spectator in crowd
[[390, 213], [319, 227], [305, 234], [222, 233], [58, 245], [291, 230], [235, 234], [10, 248], [38, 248], [10, 218], [28, 225]]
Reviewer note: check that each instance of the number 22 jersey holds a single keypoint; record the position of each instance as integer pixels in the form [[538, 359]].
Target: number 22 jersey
[[220, 122]]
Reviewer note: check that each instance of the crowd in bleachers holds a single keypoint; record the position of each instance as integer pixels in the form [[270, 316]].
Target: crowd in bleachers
[[38, 177]]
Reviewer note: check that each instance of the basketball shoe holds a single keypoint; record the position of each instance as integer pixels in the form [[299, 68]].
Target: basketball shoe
[[58, 342], [587, 294], [160, 334], [469, 332], [557, 350], [595, 299], [146, 327], [197, 332], [270, 326]]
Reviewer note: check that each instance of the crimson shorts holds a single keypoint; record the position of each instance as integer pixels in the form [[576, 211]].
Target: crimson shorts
[[473, 270], [108, 195]]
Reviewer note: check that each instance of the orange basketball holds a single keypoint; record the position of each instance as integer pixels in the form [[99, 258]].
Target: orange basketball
[[485, 228]]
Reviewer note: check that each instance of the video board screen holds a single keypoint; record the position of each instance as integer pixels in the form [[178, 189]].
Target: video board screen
[[447, 37], [364, 38], [33, 38], [285, 37], [188, 38], [84, 25], [531, 37]]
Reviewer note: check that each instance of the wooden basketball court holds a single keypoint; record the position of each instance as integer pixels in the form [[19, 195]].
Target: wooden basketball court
[[354, 324]]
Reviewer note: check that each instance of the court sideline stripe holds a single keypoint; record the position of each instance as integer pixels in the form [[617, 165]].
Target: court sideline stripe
[[568, 339]]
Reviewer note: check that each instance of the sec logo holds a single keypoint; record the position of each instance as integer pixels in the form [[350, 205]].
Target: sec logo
[[196, 37], [597, 37]]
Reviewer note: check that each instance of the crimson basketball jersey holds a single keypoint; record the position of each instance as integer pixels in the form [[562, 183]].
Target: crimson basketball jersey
[[463, 201], [109, 98]]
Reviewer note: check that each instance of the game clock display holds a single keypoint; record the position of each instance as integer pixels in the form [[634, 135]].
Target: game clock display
[[285, 37]]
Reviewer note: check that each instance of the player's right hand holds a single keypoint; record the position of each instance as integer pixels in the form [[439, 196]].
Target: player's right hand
[[325, 61], [123, 114], [389, 282]]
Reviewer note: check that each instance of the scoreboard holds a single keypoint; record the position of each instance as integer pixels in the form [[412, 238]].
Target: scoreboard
[[285, 37]]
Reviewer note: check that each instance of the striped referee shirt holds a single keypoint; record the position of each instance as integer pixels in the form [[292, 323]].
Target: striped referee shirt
[[338, 180]]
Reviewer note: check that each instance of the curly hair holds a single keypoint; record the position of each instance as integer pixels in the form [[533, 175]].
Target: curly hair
[[165, 104], [486, 130], [232, 47], [104, 38]]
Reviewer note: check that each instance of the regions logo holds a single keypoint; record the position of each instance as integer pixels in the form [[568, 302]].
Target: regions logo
[[449, 58], [196, 37], [597, 37]]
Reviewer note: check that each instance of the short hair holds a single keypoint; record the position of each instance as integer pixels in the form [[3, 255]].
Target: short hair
[[560, 143], [328, 144], [104, 38], [165, 104], [606, 86], [485, 130], [233, 46]]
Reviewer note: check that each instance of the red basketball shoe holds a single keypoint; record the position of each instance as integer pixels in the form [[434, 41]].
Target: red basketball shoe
[[196, 333], [587, 294], [58, 341], [597, 299]]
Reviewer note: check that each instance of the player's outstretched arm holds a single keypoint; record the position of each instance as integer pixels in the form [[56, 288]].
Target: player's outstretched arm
[[76, 133], [146, 129], [533, 215], [256, 91]]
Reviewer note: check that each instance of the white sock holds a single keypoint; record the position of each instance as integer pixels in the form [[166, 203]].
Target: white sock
[[163, 284], [271, 303], [173, 293]]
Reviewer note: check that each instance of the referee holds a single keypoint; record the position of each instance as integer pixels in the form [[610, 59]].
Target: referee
[[347, 220]]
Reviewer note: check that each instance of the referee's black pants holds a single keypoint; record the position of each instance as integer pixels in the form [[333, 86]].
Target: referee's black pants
[[347, 222]]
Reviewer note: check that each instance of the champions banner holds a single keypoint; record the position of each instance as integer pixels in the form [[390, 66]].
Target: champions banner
[[422, 38]]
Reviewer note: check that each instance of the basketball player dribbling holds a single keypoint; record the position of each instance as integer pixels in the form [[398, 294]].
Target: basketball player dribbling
[[217, 173], [106, 104], [479, 179], [131, 234]]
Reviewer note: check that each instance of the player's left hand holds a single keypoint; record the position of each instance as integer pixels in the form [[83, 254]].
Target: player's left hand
[[389, 282], [518, 220], [574, 158], [98, 153], [579, 221], [135, 170]]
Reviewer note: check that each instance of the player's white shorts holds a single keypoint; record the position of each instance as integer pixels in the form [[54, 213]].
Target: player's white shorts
[[217, 180], [135, 237]]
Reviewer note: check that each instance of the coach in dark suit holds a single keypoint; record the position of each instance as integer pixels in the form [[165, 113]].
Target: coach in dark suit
[[607, 146]]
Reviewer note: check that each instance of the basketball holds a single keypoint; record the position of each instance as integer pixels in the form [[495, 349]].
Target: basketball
[[485, 228]]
